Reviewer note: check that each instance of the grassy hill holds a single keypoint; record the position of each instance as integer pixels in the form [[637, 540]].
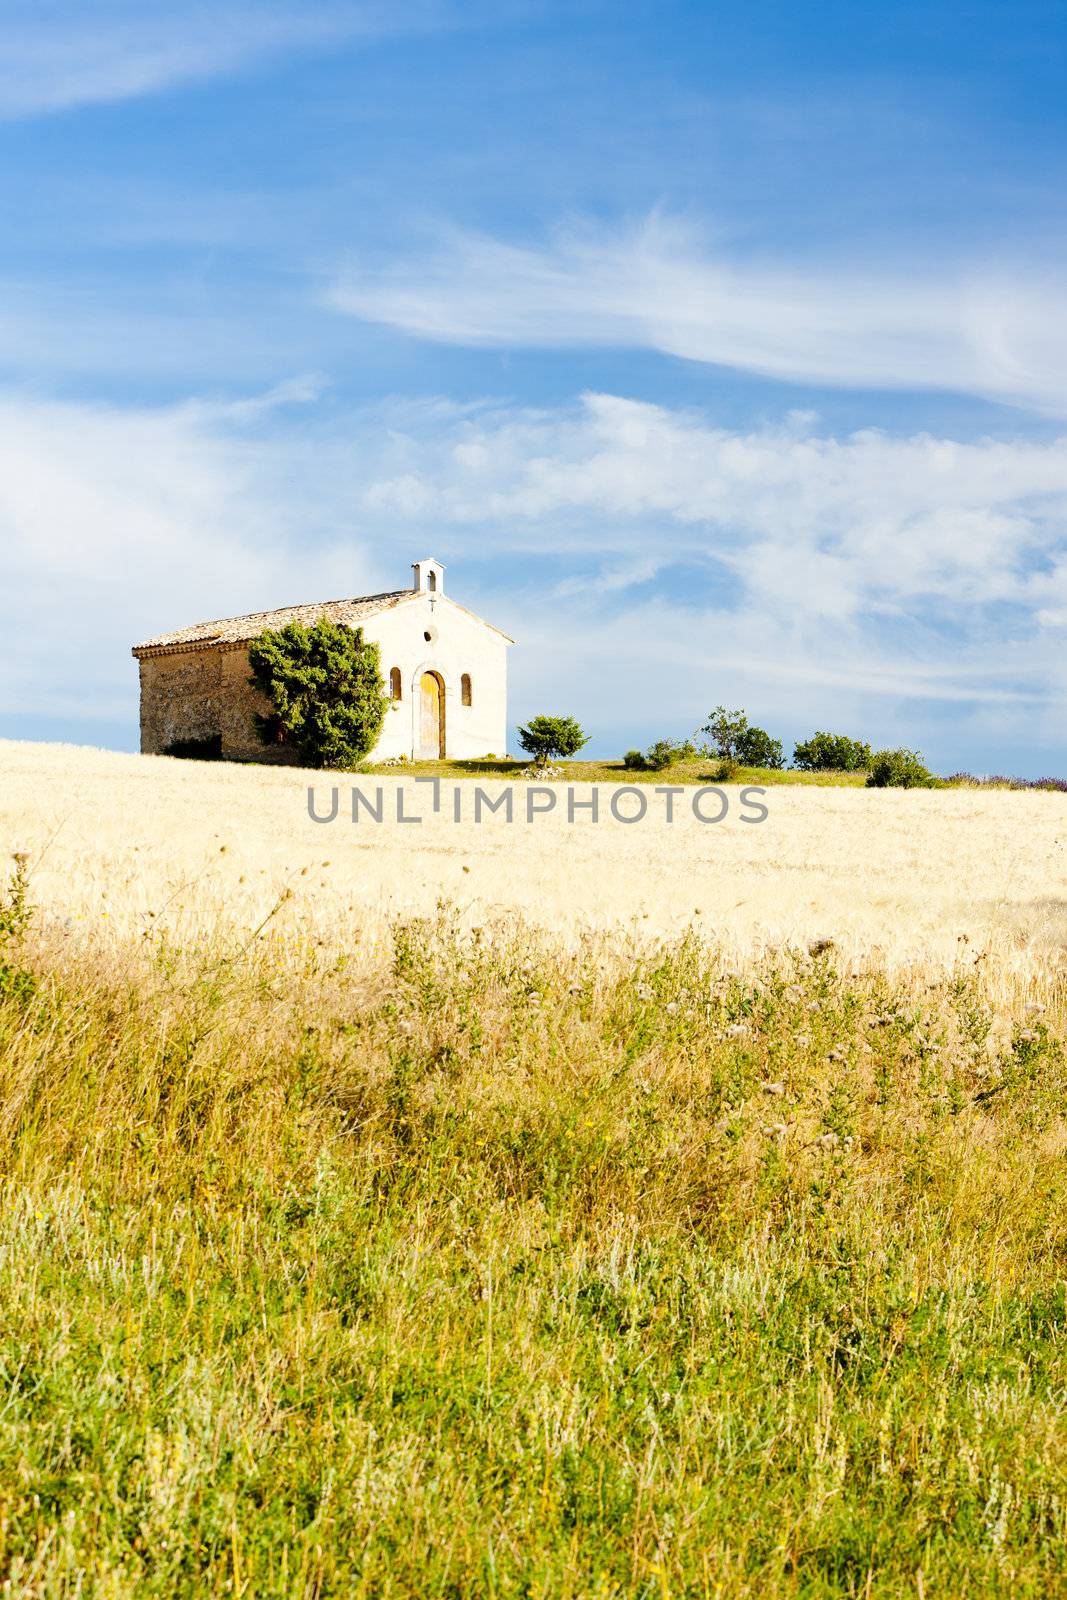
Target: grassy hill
[[703, 770]]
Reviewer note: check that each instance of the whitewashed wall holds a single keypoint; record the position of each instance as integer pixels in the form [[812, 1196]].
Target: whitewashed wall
[[458, 643]]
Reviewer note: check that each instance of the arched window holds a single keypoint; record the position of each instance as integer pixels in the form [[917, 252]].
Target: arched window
[[394, 683], [431, 582], [465, 688]]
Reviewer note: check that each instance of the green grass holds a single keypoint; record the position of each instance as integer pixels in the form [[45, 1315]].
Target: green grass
[[701, 771], [493, 1271]]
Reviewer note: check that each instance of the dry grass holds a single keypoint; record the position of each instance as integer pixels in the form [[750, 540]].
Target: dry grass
[[483, 1268]]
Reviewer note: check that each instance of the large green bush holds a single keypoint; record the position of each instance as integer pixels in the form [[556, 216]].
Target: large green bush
[[900, 769], [325, 686], [832, 752], [756, 748]]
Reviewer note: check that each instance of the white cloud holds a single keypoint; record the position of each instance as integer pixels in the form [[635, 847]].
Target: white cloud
[[816, 576], [55, 55], [648, 562], [996, 332], [115, 524], [808, 524]]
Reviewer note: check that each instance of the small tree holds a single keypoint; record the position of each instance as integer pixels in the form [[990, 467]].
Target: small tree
[[900, 769], [735, 739], [550, 738], [724, 729], [832, 752], [325, 686]]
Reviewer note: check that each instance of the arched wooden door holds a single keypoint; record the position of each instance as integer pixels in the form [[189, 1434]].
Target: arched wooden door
[[431, 717]]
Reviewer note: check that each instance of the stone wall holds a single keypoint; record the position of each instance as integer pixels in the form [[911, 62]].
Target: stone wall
[[240, 704], [181, 698]]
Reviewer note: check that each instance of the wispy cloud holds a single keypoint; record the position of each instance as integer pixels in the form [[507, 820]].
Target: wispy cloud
[[997, 332], [808, 523], [56, 55], [183, 503]]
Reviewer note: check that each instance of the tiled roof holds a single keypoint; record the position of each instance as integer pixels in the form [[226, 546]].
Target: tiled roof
[[233, 630]]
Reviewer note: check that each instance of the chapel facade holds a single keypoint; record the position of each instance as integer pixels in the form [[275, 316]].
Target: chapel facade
[[445, 673]]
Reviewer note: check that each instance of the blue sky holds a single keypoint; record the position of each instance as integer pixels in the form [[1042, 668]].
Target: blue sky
[[720, 352]]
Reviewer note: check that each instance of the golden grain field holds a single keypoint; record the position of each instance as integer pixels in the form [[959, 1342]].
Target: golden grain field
[[134, 845]]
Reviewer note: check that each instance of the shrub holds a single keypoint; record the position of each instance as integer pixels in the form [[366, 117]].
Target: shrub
[[325, 686], [756, 748], [967, 780], [659, 755], [15, 914], [550, 738], [662, 754], [900, 769], [832, 752]]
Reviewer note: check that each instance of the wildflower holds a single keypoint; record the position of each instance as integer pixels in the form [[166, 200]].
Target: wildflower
[[644, 991], [774, 1088], [671, 1007]]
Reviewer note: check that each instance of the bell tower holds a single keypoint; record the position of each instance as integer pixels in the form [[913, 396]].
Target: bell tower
[[429, 576]]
